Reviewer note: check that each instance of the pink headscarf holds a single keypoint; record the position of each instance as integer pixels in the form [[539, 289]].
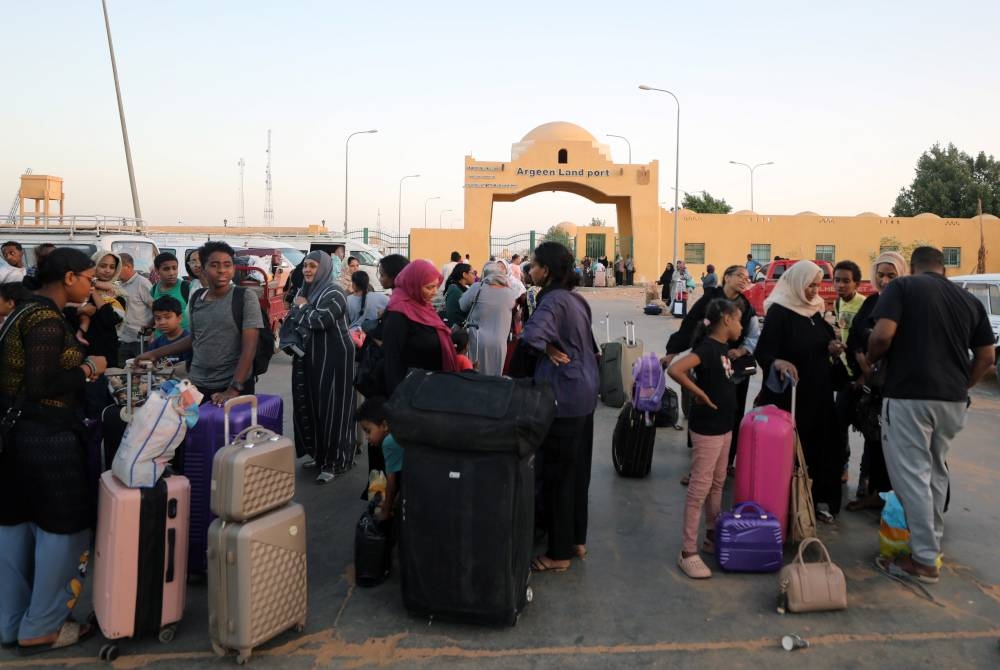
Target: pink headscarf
[[407, 299]]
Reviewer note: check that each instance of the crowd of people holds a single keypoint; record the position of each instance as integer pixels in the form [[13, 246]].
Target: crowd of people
[[68, 319]]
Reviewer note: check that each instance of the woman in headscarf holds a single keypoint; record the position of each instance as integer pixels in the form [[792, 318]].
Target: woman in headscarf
[[666, 280], [797, 346], [490, 305], [414, 336], [322, 379], [710, 280], [457, 284], [98, 322], [874, 477]]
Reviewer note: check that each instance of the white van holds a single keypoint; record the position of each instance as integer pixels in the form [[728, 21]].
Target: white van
[[90, 237], [986, 289], [183, 245]]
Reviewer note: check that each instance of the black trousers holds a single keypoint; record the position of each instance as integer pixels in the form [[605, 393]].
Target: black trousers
[[741, 403], [875, 468], [845, 405], [584, 462], [560, 451]]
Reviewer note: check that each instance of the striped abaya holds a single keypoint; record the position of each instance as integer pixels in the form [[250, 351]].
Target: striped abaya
[[322, 382]]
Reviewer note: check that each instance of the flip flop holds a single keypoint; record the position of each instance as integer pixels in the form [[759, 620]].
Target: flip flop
[[537, 565], [70, 633]]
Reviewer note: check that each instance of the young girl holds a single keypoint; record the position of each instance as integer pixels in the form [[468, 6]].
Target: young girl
[[710, 424], [460, 338]]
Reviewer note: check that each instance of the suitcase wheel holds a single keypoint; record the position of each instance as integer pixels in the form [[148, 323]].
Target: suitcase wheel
[[529, 595], [243, 657], [167, 634], [108, 652], [299, 627]]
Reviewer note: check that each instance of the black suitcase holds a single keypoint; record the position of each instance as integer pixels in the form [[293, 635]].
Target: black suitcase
[[611, 383], [632, 443], [669, 413], [466, 534], [372, 548]]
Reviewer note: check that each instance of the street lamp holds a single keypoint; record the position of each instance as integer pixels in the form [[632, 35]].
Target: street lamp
[[443, 211], [622, 137], [433, 197], [399, 212], [347, 146], [677, 159], [751, 176]]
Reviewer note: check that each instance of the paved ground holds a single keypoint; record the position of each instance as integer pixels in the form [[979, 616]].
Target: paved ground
[[627, 605]]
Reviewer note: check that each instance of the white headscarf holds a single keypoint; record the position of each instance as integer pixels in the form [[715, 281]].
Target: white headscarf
[[893, 258], [495, 274], [790, 292]]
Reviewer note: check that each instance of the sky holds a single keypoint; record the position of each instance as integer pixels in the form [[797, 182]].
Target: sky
[[842, 97]]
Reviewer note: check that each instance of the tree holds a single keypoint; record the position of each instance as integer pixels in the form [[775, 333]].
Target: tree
[[949, 182], [706, 204], [558, 234]]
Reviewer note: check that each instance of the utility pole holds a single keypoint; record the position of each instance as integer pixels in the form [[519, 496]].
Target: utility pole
[[268, 205], [121, 117], [242, 221]]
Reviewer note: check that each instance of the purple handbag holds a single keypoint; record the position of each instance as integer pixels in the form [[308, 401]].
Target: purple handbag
[[748, 539]]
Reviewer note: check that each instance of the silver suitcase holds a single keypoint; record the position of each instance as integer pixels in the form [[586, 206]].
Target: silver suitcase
[[257, 586]]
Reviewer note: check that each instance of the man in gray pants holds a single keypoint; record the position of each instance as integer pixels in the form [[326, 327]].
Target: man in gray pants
[[924, 327]]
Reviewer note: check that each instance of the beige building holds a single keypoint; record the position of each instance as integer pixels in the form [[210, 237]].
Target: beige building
[[561, 156]]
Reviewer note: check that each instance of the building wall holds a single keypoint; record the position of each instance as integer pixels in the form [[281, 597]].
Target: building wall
[[727, 238]]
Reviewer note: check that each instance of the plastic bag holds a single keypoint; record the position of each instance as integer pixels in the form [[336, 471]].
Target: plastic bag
[[154, 433], [893, 535]]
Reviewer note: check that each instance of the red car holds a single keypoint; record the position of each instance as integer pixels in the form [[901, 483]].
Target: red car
[[768, 275]]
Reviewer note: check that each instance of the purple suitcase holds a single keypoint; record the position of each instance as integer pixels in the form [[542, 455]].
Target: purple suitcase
[[200, 446], [748, 539]]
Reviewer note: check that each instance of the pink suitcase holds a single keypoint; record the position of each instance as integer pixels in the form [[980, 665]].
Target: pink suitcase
[[140, 564], [765, 455]]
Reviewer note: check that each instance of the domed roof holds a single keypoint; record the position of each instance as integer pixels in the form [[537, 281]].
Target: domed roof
[[559, 131], [868, 214], [807, 213], [927, 215]]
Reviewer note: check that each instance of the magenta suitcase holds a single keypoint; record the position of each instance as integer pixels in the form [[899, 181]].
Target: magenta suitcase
[[200, 445], [748, 539], [764, 457], [140, 562]]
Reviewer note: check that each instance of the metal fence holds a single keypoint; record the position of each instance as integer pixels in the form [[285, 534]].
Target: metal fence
[[385, 241], [522, 244]]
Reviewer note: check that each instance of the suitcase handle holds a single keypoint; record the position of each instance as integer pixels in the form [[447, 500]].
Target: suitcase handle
[[235, 402], [630, 338], [251, 435], [607, 325], [750, 506]]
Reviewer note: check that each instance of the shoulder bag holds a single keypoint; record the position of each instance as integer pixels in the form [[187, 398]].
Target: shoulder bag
[[811, 587]]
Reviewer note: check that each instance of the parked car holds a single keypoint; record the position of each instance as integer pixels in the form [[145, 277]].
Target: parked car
[[769, 274]]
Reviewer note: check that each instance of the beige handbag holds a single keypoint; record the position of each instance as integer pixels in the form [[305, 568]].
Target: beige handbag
[[811, 587], [802, 514]]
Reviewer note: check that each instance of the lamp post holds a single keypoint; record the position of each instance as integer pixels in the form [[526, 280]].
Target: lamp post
[[443, 212], [622, 137], [433, 197], [347, 146], [751, 176], [677, 158], [399, 212]]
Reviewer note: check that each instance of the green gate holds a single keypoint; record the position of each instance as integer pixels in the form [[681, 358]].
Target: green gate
[[595, 245]]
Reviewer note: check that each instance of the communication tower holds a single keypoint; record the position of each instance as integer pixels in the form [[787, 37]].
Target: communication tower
[[241, 222], [268, 205]]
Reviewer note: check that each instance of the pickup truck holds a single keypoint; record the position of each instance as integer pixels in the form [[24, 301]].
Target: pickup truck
[[769, 274]]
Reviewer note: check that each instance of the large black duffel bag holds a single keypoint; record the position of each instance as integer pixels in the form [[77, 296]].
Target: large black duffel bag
[[450, 410]]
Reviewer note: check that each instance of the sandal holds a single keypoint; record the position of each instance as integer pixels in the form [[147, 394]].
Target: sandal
[[309, 464], [693, 566], [545, 564], [824, 516], [70, 633]]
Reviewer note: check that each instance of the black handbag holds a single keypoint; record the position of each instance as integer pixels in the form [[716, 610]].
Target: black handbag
[[290, 339]]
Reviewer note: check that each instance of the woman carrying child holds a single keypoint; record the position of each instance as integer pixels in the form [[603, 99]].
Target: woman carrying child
[[710, 423]]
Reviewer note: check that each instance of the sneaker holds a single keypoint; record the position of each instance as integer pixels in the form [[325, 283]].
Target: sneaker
[[693, 566], [309, 464], [324, 477]]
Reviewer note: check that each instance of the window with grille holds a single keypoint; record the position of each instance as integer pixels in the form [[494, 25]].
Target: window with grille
[[826, 252], [694, 252], [761, 252], [952, 257]]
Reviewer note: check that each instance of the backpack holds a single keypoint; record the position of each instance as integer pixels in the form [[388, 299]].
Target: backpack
[[649, 383], [265, 336]]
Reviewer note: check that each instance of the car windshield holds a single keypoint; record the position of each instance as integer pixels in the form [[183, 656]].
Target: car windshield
[[293, 256], [364, 257], [142, 252]]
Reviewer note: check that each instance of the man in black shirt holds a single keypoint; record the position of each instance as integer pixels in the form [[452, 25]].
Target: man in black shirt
[[925, 327]]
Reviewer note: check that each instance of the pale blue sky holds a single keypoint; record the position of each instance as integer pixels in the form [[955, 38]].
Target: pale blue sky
[[843, 98]]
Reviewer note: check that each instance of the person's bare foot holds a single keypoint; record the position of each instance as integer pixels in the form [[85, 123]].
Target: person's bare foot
[[543, 563], [580, 550]]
